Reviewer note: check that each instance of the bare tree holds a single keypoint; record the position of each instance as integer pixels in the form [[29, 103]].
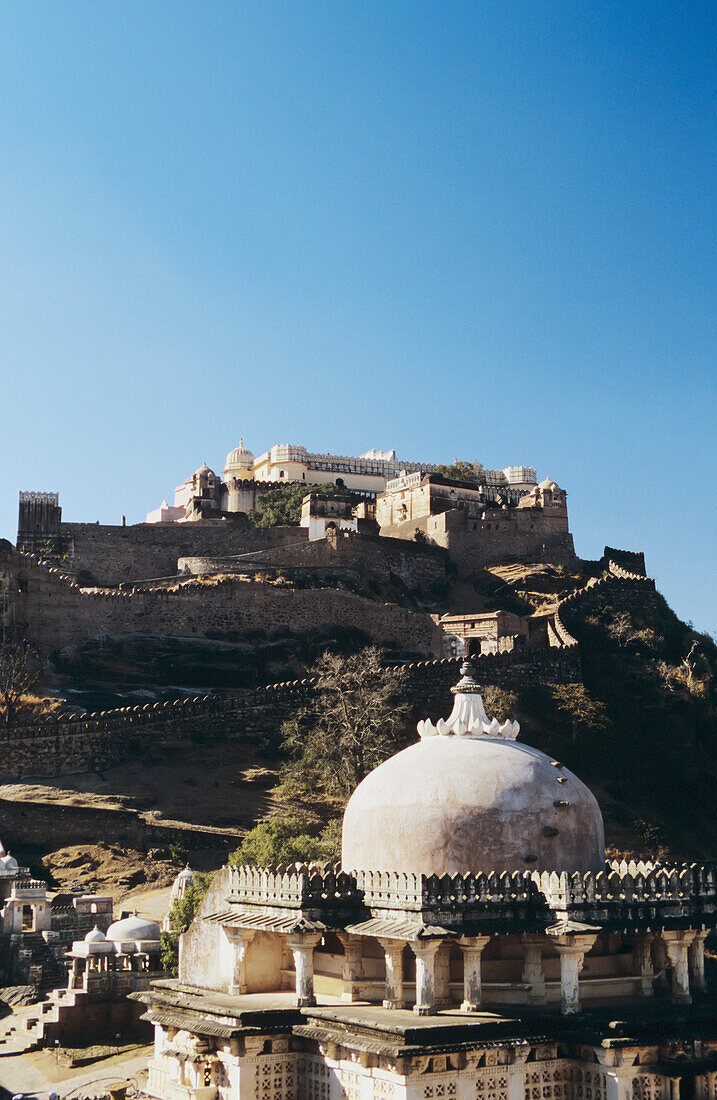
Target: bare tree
[[20, 668], [360, 720]]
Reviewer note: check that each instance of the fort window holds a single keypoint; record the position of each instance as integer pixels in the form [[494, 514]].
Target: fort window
[[28, 918]]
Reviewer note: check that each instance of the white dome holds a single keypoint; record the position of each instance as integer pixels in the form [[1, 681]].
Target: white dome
[[240, 458], [133, 928], [463, 801], [187, 875], [203, 471], [8, 863], [95, 936], [548, 484]]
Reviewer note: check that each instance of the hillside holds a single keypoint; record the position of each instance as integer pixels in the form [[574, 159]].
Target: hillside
[[638, 723]]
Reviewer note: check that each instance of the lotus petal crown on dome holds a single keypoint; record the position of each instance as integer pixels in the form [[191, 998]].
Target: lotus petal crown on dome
[[468, 717]]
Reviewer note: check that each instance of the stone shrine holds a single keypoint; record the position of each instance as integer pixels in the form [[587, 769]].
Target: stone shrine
[[473, 944]]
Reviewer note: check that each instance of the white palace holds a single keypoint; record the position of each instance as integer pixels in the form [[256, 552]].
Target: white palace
[[474, 944]]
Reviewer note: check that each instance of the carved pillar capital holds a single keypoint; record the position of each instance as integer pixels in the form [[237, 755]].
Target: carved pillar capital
[[572, 950], [677, 944], [302, 945]]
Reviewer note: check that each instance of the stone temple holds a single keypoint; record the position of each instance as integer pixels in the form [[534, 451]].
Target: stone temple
[[473, 944]]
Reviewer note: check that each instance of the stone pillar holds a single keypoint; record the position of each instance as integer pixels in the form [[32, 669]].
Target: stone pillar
[[239, 940], [393, 993], [618, 1084], [642, 959], [472, 948], [425, 952], [572, 950], [302, 946], [660, 961], [697, 962], [351, 966], [677, 944], [442, 975], [533, 974]]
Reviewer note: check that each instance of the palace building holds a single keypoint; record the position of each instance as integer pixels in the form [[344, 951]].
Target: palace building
[[473, 944], [205, 494]]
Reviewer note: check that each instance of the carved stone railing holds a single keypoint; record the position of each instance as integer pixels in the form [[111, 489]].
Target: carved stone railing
[[622, 891], [301, 888]]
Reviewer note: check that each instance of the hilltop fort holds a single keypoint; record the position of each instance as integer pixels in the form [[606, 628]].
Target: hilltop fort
[[381, 548]]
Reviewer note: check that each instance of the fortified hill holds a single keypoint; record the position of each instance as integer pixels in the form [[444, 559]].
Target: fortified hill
[[179, 647], [398, 529]]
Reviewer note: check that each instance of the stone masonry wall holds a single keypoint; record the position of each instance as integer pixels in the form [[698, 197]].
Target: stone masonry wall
[[360, 556], [110, 555], [52, 612], [86, 742]]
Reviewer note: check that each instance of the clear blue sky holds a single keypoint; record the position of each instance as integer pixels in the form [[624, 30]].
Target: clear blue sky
[[475, 230]]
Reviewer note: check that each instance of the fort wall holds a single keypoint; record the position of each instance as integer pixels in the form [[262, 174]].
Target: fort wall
[[106, 555], [60, 746], [417, 566], [513, 534], [52, 612]]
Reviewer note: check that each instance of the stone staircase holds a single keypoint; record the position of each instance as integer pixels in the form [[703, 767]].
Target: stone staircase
[[22, 1030], [44, 970]]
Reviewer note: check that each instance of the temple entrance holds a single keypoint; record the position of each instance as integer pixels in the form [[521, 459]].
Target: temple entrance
[[28, 918]]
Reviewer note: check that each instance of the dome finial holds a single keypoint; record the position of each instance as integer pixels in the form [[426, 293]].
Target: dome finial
[[468, 681], [468, 717]]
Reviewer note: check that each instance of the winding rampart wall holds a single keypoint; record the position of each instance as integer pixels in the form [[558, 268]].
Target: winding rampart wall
[[623, 584], [52, 611], [59, 746]]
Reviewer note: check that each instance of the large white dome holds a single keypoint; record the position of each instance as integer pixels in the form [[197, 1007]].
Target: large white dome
[[461, 803]]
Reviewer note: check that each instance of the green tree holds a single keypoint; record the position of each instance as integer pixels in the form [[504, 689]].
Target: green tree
[[181, 915], [281, 507], [287, 840], [459, 470], [361, 720], [499, 703], [586, 714]]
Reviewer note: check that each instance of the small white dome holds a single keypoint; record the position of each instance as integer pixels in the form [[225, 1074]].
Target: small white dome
[[548, 484], [8, 863], [187, 875], [203, 471], [133, 928], [95, 936]]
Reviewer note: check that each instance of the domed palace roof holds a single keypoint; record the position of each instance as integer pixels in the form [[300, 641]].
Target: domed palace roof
[[240, 458], [468, 798], [548, 484]]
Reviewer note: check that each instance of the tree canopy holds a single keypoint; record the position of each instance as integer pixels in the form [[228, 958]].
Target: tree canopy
[[460, 470], [287, 840], [362, 719], [281, 507]]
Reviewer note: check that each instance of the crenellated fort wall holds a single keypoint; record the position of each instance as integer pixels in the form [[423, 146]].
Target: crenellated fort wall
[[59, 746], [52, 611]]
